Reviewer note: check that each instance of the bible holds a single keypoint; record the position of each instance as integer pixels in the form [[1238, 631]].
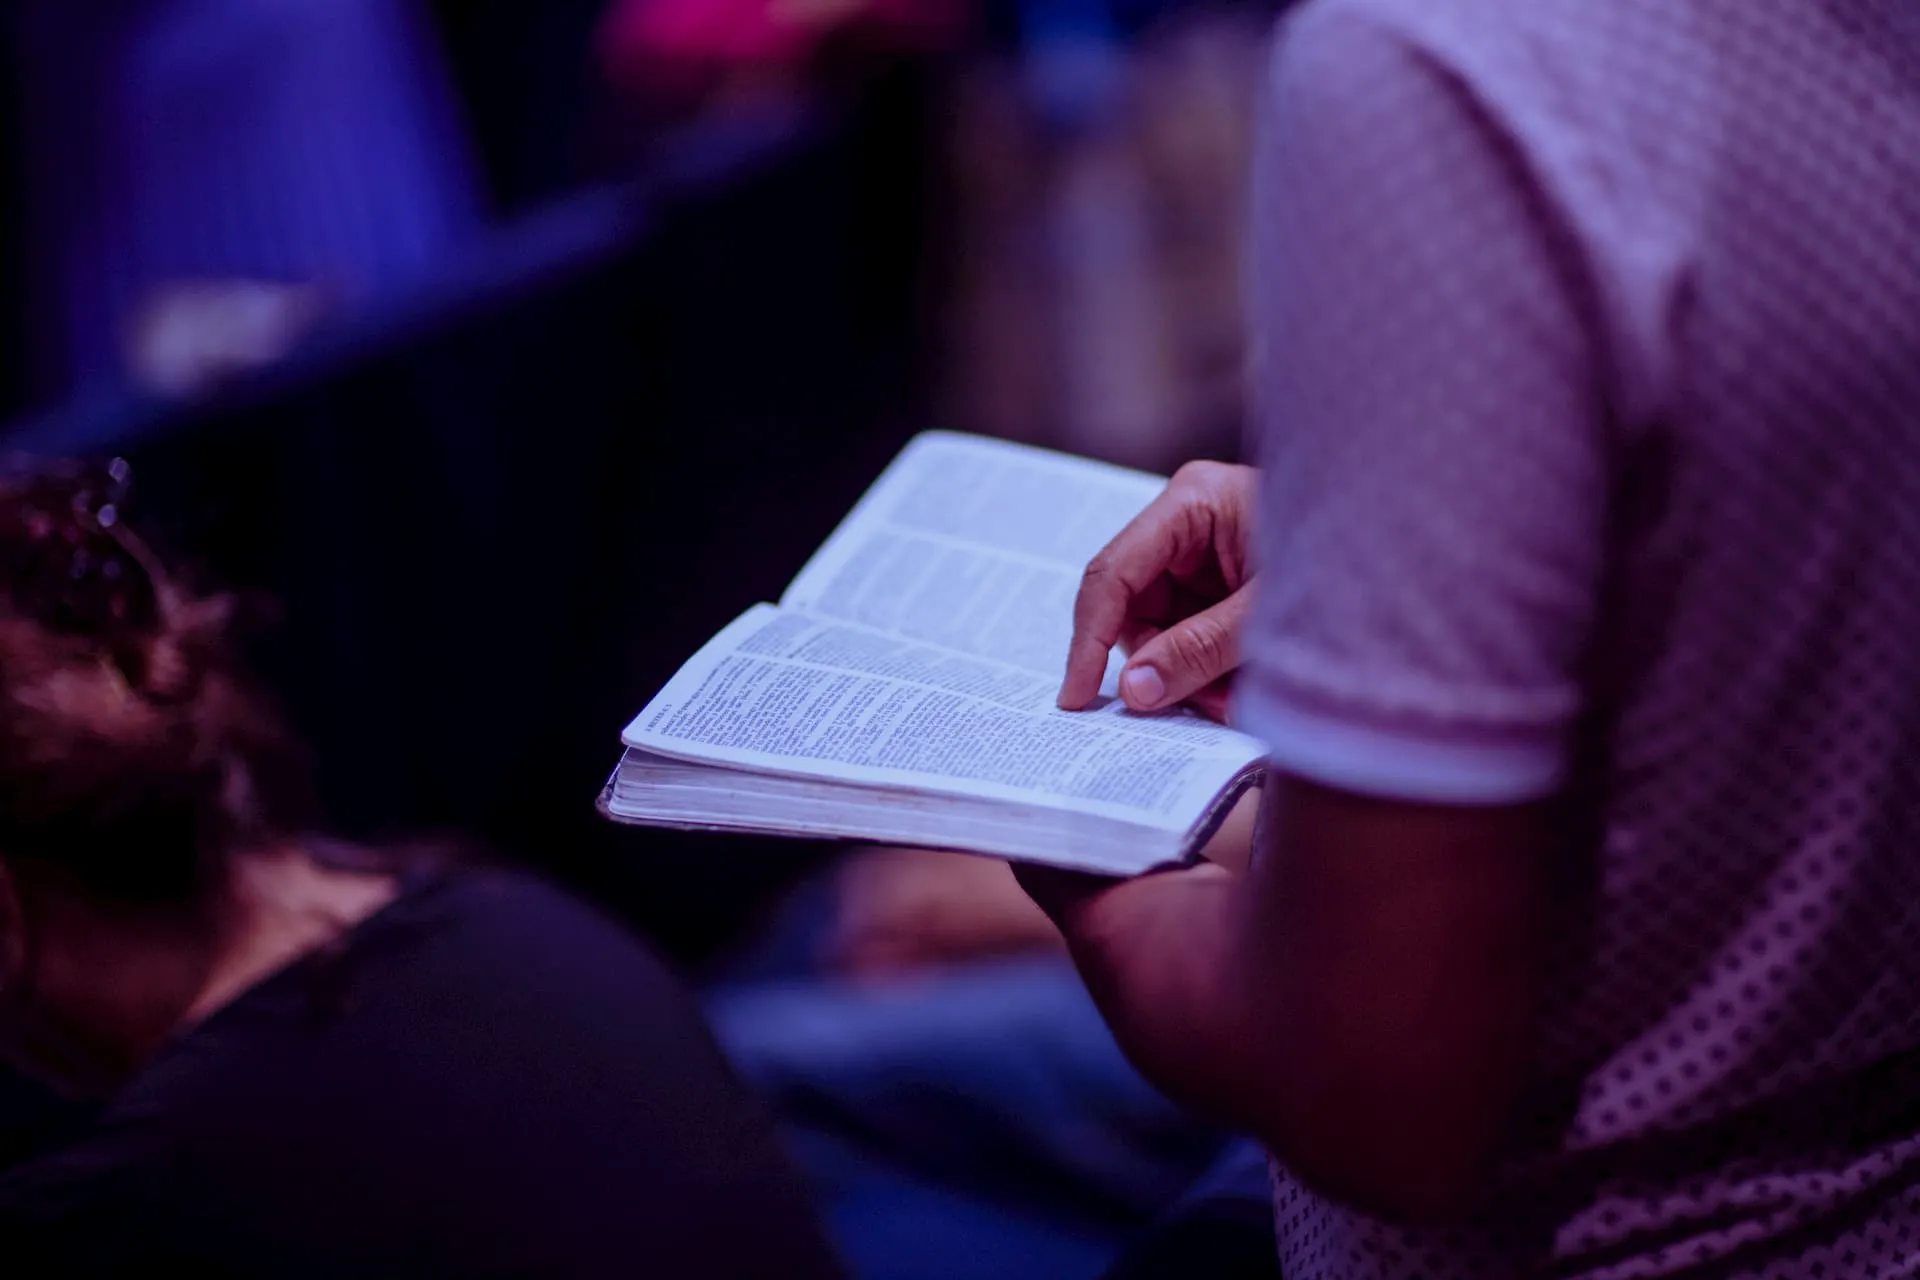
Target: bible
[[902, 691]]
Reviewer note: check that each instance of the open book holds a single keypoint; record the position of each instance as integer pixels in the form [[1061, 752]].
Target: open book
[[903, 689]]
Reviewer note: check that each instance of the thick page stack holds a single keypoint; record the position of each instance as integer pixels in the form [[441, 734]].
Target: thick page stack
[[903, 689]]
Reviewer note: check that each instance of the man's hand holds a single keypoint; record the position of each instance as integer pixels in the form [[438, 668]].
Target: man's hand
[[1174, 590]]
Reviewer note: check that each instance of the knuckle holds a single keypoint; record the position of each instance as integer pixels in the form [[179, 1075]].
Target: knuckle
[[1201, 646], [1191, 475], [1201, 474]]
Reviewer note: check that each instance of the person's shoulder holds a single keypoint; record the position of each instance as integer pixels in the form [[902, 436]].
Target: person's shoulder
[[1611, 110], [1389, 62], [1573, 45], [1466, 23], [1398, 80], [519, 938], [505, 899]]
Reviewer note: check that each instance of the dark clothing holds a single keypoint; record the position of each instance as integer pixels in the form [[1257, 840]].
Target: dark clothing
[[484, 1079]]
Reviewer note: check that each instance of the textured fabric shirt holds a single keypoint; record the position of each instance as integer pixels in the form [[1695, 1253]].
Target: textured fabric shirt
[[1588, 338]]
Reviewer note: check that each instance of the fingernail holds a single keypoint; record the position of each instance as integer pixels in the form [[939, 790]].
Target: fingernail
[[1143, 687]]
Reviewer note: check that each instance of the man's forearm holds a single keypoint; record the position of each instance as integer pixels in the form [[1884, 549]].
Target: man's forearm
[[1169, 964], [1157, 955]]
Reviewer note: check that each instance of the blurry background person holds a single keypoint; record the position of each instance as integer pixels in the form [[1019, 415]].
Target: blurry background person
[[312, 1059], [680, 55], [1579, 941], [206, 177], [1098, 183]]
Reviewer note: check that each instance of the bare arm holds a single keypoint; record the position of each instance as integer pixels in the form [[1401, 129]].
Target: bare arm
[[1361, 1001]]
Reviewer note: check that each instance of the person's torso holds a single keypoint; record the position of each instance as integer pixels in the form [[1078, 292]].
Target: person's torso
[[1730, 1069], [486, 1079]]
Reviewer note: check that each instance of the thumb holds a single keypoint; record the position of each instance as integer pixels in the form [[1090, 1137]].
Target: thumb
[[1186, 657]]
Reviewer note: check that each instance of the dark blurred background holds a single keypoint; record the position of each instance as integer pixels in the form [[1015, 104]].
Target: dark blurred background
[[619, 356], [512, 348]]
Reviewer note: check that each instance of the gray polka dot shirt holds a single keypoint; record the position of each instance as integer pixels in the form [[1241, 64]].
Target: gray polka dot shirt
[[1588, 345]]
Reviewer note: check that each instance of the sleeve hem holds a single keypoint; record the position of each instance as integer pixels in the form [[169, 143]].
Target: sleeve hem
[[1403, 764]]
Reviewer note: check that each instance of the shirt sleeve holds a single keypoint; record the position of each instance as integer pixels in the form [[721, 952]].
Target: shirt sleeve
[[1431, 425]]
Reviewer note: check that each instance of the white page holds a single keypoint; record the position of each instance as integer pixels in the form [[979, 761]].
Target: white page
[[790, 693], [655, 789], [976, 544]]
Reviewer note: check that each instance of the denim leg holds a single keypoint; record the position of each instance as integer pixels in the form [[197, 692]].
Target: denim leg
[[996, 1083]]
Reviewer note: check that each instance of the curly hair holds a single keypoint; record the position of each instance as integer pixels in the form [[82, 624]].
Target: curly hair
[[136, 753]]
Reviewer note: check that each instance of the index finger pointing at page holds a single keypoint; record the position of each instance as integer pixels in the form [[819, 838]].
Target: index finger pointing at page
[[1113, 581]]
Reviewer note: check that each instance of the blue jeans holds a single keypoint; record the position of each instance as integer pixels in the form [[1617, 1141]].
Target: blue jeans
[[973, 1122]]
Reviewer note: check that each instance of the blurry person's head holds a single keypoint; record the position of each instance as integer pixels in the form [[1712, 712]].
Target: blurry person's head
[[138, 769]]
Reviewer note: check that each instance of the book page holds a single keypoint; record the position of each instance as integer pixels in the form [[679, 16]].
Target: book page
[[974, 544], [792, 693]]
